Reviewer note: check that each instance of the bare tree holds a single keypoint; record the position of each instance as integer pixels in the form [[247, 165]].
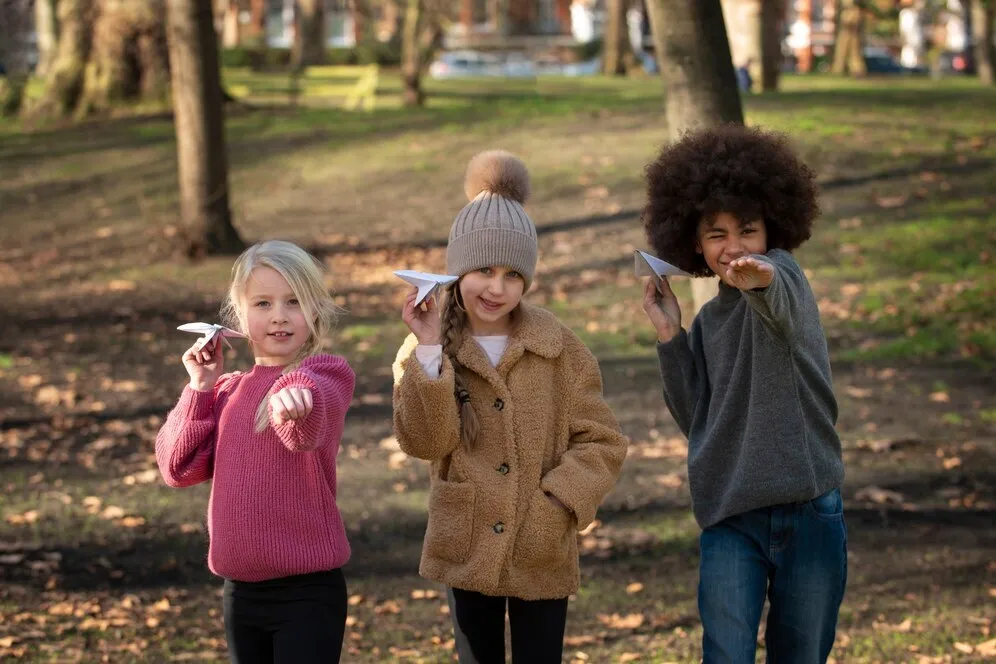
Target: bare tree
[[46, 34], [309, 43], [257, 22], [64, 80], [983, 16], [421, 34], [108, 52], [615, 39], [848, 51], [200, 133], [700, 87], [772, 22], [14, 47]]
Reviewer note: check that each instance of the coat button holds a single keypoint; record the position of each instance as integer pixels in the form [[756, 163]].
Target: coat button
[[503, 469], [499, 528], [499, 404]]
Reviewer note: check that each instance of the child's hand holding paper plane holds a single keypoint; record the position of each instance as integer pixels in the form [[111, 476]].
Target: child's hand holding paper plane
[[426, 282], [211, 331], [647, 265]]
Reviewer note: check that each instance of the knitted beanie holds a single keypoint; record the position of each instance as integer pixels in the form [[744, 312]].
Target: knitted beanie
[[493, 229]]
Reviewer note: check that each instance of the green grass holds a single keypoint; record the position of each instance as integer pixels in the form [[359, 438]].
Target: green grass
[[900, 262]]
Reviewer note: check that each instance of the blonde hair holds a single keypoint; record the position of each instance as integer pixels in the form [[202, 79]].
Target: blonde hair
[[453, 322], [305, 274]]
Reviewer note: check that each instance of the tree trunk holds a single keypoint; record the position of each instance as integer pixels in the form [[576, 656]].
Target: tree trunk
[[700, 86], [983, 15], [309, 43], [615, 39], [848, 52], [257, 23], [772, 20], [128, 59], [64, 82], [46, 32], [200, 133], [230, 25], [411, 65]]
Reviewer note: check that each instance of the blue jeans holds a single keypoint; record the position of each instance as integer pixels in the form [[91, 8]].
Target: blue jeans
[[796, 554]]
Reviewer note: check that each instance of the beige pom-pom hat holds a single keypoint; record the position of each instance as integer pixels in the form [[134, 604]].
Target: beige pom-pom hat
[[493, 229]]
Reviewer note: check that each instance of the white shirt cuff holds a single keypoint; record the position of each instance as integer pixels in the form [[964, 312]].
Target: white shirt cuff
[[430, 356]]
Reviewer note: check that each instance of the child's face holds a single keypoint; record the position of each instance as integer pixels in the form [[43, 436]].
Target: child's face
[[489, 295], [724, 238], [278, 326]]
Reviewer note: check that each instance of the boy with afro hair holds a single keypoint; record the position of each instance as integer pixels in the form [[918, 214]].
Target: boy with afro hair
[[750, 386]]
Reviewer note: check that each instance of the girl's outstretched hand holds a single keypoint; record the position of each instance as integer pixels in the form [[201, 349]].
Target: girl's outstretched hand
[[662, 309], [290, 403], [205, 364], [424, 323], [747, 273]]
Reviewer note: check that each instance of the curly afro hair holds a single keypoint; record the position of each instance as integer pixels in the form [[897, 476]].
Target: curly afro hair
[[747, 172]]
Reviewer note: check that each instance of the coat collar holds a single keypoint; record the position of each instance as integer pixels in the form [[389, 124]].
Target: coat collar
[[538, 332]]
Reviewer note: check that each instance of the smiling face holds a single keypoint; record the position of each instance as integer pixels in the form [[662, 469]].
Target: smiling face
[[725, 238], [490, 294], [278, 326]]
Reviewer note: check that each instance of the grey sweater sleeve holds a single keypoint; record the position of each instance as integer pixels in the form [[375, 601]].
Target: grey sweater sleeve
[[682, 376], [778, 304]]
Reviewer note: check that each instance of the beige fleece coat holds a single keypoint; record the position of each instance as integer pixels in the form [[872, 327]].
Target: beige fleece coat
[[545, 428]]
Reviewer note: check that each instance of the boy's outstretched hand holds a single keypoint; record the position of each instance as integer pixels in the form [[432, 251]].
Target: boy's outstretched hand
[[662, 309], [748, 273]]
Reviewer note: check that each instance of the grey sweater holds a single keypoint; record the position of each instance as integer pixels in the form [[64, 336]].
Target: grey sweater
[[750, 386]]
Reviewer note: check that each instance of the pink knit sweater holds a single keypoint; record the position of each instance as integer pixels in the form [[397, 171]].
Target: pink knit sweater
[[272, 511]]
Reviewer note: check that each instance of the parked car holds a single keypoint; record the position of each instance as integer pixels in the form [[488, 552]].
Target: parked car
[[461, 64], [878, 61], [954, 62]]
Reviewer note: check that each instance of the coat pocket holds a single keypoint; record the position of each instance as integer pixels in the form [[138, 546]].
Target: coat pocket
[[544, 538], [451, 519]]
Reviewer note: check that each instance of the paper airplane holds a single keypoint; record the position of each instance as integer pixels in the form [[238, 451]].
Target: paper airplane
[[210, 331], [426, 282], [647, 265]]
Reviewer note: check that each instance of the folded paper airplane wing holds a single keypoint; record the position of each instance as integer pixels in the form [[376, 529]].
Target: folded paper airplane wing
[[647, 265], [426, 282], [209, 332]]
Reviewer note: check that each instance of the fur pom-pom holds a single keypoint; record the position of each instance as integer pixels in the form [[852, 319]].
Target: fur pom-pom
[[498, 172]]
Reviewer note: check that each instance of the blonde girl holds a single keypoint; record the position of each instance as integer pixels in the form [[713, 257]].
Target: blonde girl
[[267, 439]]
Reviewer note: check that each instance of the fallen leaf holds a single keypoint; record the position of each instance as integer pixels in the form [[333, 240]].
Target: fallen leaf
[[670, 480], [628, 657], [355, 600], [634, 588], [112, 512], [390, 606], [878, 495], [940, 397], [858, 392], [951, 462], [986, 648], [964, 647], [615, 621], [397, 460]]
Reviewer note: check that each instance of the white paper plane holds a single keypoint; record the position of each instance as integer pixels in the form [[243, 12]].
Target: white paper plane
[[210, 331], [426, 282], [647, 265]]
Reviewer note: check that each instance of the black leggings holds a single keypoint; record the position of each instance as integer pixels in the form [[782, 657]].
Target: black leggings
[[479, 621], [295, 619]]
